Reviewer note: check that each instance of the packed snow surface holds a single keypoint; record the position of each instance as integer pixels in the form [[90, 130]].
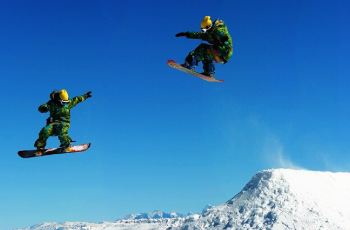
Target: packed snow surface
[[273, 199]]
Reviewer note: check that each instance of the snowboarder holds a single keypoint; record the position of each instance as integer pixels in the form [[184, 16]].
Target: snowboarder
[[58, 123], [219, 48]]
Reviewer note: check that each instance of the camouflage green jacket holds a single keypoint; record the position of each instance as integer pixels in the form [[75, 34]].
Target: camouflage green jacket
[[218, 36], [60, 112]]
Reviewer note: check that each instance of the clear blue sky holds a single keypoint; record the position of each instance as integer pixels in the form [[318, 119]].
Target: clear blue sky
[[160, 138]]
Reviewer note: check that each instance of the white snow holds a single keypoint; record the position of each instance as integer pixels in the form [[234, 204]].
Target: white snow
[[95, 226], [284, 199], [141, 221], [273, 200], [153, 215]]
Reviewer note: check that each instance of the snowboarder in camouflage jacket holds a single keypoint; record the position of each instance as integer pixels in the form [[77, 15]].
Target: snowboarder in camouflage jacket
[[58, 123], [219, 49]]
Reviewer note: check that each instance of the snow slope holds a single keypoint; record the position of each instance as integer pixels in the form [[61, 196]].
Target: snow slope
[[272, 199]]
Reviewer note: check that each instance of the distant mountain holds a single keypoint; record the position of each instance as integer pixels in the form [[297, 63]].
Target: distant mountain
[[273, 199], [143, 221], [153, 215]]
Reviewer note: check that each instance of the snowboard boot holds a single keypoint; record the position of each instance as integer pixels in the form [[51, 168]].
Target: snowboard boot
[[208, 74], [65, 141], [39, 151], [39, 145], [209, 69], [65, 145], [190, 62]]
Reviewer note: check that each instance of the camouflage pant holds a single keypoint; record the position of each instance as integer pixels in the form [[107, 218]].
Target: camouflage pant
[[59, 129], [206, 54]]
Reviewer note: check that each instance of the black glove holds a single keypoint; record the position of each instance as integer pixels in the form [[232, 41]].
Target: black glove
[[181, 34], [88, 94], [52, 94]]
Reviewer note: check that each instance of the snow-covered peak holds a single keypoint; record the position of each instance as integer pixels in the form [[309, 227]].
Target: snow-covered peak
[[153, 215], [284, 199]]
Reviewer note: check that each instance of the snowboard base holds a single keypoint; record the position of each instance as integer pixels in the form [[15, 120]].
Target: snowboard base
[[51, 151], [177, 66]]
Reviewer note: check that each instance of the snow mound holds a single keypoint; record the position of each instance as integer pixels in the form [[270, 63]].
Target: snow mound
[[283, 199]]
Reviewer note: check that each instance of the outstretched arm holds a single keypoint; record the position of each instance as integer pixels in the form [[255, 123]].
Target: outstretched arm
[[197, 35], [192, 35], [76, 100]]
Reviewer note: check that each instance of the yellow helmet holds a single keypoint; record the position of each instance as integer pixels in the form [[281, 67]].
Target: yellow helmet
[[206, 23], [64, 95]]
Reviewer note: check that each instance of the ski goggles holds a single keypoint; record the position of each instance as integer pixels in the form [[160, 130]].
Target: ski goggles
[[205, 29], [63, 102]]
